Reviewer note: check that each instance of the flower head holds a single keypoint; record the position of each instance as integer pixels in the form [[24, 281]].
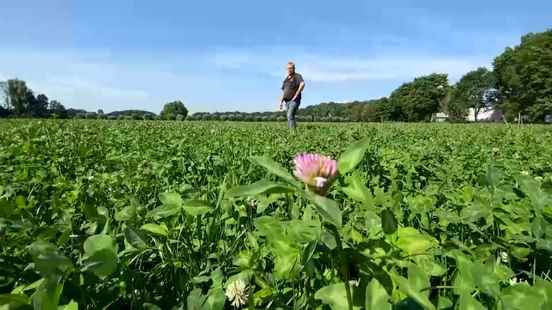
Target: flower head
[[504, 257], [316, 171], [236, 292]]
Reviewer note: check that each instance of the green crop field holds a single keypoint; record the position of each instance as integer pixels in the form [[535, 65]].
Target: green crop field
[[209, 215]]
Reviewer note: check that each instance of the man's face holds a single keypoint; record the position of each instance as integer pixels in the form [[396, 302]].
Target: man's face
[[290, 69]]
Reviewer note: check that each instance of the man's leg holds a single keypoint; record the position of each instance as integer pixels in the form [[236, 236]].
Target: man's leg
[[292, 107]]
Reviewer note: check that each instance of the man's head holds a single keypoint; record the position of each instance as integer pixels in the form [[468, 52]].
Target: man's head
[[291, 67]]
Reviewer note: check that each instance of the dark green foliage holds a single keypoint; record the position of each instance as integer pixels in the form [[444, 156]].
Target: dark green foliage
[[418, 100], [126, 214], [475, 90], [524, 75], [174, 111]]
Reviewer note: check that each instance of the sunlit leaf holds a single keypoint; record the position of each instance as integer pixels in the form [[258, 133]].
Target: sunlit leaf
[[275, 168], [352, 156], [155, 229], [259, 187], [376, 297], [334, 296], [196, 207], [327, 208]]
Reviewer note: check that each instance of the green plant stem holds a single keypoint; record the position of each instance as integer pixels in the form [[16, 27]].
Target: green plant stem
[[340, 249]]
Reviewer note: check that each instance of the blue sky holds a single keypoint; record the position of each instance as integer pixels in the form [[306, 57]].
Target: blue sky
[[231, 55]]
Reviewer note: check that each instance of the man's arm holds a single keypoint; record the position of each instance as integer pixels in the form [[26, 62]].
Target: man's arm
[[299, 90]]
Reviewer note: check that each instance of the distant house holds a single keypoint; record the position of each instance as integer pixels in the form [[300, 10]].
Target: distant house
[[439, 117], [3, 93], [486, 115]]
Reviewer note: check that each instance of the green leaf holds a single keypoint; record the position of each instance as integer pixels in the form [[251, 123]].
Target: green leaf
[[164, 211], [102, 263], [172, 205], [444, 303], [407, 288], [97, 243], [171, 199], [72, 305], [258, 188], [388, 221], [287, 259], [14, 300], [134, 239], [150, 306], [48, 294], [358, 191], [376, 297], [195, 300], [303, 232], [334, 296], [352, 156], [244, 260], [544, 288], [329, 240], [196, 207], [418, 279], [159, 230], [100, 255], [128, 213], [486, 279], [215, 299], [327, 208], [269, 226], [414, 242], [48, 261], [275, 168], [467, 302], [20, 202]]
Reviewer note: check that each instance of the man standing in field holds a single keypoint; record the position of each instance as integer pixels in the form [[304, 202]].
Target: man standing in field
[[292, 87]]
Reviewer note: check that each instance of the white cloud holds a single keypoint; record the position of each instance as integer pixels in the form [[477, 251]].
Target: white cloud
[[396, 67], [339, 69]]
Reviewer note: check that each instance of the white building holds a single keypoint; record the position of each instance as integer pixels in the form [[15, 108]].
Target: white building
[[439, 117], [485, 115], [3, 93]]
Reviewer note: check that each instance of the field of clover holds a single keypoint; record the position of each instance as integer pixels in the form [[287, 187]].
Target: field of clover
[[214, 215]]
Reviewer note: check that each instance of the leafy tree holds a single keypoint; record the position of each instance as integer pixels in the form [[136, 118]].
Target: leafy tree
[[455, 109], [524, 76], [38, 106], [474, 90], [417, 100], [57, 110], [19, 95], [173, 109], [23, 102]]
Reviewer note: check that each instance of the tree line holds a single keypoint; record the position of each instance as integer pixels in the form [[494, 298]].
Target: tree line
[[519, 85], [19, 100]]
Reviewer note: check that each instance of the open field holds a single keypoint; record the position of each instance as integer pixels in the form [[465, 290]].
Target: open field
[[139, 214]]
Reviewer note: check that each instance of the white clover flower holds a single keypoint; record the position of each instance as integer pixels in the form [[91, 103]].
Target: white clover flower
[[236, 292], [504, 257], [515, 281]]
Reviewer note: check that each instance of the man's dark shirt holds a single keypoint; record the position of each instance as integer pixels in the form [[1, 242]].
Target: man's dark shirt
[[291, 85]]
